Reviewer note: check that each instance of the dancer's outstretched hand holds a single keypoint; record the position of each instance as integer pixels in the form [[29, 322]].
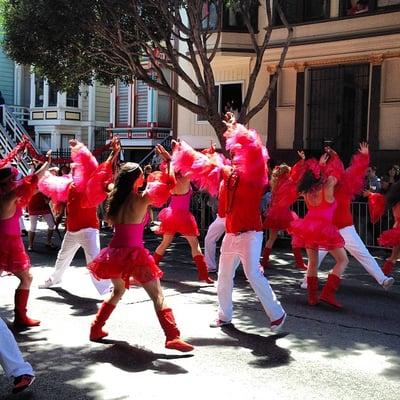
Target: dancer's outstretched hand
[[324, 158], [301, 154], [363, 149], [160, 150]]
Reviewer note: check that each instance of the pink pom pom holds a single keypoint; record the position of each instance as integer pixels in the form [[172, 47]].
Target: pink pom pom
[[55, 187]]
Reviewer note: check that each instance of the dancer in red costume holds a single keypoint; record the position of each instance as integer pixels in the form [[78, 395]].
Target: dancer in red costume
[[176, 218], [316, 231], [13, 196], [240, 196], [391, 237], [350, 184], [126, 256], [278, 218]]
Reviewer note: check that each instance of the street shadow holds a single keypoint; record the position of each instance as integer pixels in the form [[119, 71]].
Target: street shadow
[[137, 359], [81, 306], [268, 353]]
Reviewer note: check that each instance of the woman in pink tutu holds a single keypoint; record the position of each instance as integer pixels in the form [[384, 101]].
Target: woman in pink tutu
[[316, 231], [278, 218], [391, 237], [15, 194], [176, 218], [126, 258]]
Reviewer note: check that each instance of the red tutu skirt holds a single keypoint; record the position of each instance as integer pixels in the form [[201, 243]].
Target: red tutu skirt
[[279, 219], [310, 233], [124, 263], [12, 254], [177, 221], [390, 238]]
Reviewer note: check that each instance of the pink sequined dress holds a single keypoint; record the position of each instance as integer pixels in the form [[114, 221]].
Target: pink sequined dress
[[391, 237], [126, 257], [12, 251], [316, 230], [176, 218]]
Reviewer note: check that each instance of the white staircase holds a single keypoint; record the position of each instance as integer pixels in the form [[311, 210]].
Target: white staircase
[[11, 133]]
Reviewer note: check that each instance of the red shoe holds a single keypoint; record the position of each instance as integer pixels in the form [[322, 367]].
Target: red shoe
[[388, 267], [298, 257], [265, 257], [22, 382], [96, 329], [21, 301], [202, 269], [312, 289], [329, 290], [178, 344], [277, 324]]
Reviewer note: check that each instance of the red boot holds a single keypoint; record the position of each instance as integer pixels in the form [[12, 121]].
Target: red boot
[[265, 257], [168, 324], [388, 267], [312, 289], [96, 331], [298, 258], [329, 289], [157, 258], [202, 269], [21, 300]]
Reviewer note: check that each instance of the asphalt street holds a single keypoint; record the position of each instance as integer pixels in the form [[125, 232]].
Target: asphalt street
[[320, 354]]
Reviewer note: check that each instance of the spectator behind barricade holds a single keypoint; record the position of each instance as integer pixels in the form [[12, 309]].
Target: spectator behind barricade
[[64, 170], [391, 176], [357, 7], [372, 182]]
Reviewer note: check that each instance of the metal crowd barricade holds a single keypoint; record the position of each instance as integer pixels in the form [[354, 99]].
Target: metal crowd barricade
[[368, 232]]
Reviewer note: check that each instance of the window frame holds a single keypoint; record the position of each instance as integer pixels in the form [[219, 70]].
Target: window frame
[[219, 85]]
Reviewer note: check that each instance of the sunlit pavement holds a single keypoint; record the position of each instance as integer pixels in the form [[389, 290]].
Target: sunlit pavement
[[321, 353]]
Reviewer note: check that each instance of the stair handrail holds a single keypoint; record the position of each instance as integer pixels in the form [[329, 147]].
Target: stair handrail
[[18, 130], [153, 151]]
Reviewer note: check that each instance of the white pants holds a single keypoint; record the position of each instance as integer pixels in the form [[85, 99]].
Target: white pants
[[356, 247], [10, 356], [21, 223], [87, 238], [245, 247], [214, 233], [47, 217]]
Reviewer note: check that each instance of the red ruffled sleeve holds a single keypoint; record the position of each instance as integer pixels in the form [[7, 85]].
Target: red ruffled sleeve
[[203, 169], [96, 188], [334, 167], [376, 206], [353, 179], [159, 186], [85, 164], [26, 189], [55, 187]]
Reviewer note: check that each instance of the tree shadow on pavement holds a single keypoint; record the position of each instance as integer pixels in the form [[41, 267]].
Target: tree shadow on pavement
[[136, 359], [68, 373], [81, 306]]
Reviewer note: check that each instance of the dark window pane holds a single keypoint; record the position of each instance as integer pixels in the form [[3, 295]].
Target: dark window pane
[[39, 87], [73, 99], [52, 97]]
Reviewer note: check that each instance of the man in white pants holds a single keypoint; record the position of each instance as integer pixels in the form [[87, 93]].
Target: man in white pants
[[12, 362], [343, 218], [240, 197], [82, 230]]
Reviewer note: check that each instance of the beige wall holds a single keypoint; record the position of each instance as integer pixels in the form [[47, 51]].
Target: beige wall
[[389, 122], [102, 107]]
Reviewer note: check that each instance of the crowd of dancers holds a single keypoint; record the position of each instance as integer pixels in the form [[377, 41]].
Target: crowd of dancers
[[238, 182]]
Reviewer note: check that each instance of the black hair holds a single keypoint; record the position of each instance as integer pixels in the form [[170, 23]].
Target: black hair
[[393, 195], [123, 186], [309, 183]]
